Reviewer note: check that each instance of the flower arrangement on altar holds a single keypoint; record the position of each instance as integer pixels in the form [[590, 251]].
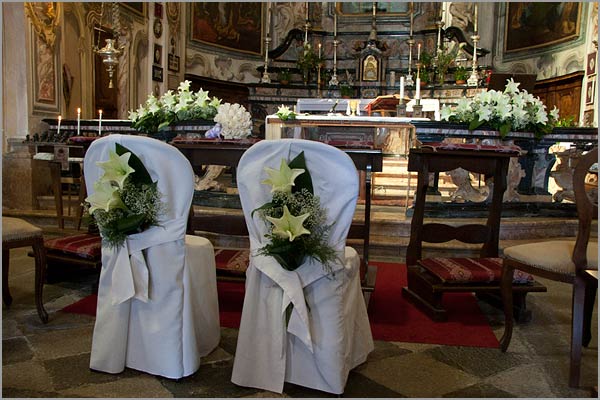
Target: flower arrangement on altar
[[233, 121], [284, 113], [125, 200], [297, 222], [511, 110], [183, 105]]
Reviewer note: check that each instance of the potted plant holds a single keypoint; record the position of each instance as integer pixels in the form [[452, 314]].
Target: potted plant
[[346, 91], [460, 75], [307, 61], [425, 77], [284, 76]]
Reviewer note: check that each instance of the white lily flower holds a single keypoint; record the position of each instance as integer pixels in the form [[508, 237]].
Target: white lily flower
[[554, 113], [446, 112], [116, 168], [511, 86], [105, 197], [282, 179], [289, 226], [184, 86]]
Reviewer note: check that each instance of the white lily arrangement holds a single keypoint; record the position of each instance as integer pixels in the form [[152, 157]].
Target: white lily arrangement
[[235, 121], [183, 105], [510, 110], [125, 200], [297, 224], [284, 113]]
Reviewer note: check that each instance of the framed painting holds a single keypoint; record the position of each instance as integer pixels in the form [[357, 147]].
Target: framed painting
[[590, 91], [591, 63], [232, 26], [138, 8], [539, 24], [44, 76]]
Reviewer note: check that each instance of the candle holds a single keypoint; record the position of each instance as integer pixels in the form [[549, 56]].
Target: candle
[[401, 88], [475, 20], [418, 91], [307, 11], [78, 120], [334, 26], [268, 18], [59, 119], [319, 50], [411, 18], [419, 53], [99, 122]]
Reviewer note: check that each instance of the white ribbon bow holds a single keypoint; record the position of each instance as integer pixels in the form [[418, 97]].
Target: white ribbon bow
[[130, 276]]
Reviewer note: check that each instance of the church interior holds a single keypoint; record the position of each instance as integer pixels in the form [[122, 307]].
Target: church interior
[[466, 123]]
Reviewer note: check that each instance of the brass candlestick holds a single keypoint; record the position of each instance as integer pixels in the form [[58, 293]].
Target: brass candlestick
[[334, 79], [409, 78], [265, 77], [474, 78]]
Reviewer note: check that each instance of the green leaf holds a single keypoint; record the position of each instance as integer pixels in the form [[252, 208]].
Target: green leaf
[[303, 181], [475, 124], [130, 224], [141, 174], [504, 129], [265, 206]]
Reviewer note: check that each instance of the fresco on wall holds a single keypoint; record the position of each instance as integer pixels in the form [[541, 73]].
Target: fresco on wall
[[537, 24], [366, 8], [234, 26]]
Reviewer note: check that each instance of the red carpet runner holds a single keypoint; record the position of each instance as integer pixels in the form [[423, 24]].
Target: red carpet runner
[[392, 318]]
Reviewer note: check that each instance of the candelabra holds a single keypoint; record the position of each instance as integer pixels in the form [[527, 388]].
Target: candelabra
[[409, 78], [319, 80], [474, 78], [265, 77], [334, 79]]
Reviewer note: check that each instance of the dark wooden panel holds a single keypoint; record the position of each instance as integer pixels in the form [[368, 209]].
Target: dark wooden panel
[[564, 92]]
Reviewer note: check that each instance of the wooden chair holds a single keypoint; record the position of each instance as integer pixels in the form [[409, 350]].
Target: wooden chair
[[564, 261], [429, 278], [74, 188], [19, 233]]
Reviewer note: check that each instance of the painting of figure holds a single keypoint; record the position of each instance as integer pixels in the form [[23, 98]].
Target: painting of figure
[[539, 24], [234, 26]]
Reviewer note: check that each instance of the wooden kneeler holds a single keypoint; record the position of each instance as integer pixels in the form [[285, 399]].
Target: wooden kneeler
[[429, 279]]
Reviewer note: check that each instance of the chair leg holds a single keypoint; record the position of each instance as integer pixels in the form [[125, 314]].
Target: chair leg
[[591, 288], [6, 297], [576, 331], [507, 300], [39, 253]]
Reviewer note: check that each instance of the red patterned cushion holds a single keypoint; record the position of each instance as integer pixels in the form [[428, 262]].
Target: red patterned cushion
[[470, 270], [84, 245], [232, 260], [498, 148]]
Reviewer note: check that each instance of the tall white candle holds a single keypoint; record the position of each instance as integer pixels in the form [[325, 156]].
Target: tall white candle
[[59, 119], [401, 88], [268, 18], [334, 26], [99, 122], [475, 19], [418, 91], [319, 50], [412, 16], [419, 53], [78, 120], [307, 11]]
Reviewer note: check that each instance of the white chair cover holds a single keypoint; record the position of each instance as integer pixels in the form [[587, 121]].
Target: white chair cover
[[328, 333], [157, 298]]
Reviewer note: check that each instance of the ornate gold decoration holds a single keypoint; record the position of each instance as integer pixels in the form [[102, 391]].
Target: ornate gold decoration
[[45, 17]]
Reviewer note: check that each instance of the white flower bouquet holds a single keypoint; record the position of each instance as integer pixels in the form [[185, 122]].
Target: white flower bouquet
[[125, 200], [183, 105], [284, 113], [511, 110], [234, 120], [297, 223]]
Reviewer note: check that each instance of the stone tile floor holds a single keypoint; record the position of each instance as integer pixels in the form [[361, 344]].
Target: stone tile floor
[[52, 360]]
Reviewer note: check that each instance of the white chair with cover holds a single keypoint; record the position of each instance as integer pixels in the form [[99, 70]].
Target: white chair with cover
[[157, 297], [328, 332]]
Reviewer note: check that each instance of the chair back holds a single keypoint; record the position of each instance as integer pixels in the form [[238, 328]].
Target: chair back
[[587, 206], [334, 179], [165, 164]]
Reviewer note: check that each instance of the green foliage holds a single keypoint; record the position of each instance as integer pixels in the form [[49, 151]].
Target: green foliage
[[460, 73]]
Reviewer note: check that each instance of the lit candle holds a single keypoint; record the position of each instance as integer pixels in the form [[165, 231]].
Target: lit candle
[[411, 18], [319, 50], [419, 53], [59, 119], [307, 11], [99, 122], [475, 19], [401, 88], [334, 26], [418, 91], [78, 120]]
